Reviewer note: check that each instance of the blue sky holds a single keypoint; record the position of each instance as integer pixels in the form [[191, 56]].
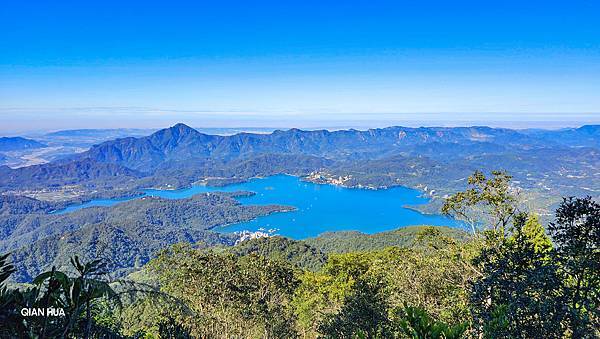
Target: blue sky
[[298, 63]]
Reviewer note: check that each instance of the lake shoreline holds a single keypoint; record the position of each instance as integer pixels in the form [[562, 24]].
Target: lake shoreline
[[309, 208]]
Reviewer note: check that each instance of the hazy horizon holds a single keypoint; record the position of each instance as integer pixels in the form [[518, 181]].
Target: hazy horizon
[[307, 125], [18, 121], [271, 64]]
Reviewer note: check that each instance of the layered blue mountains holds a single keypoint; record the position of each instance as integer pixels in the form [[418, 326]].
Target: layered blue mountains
[[8, 144], [127, 197]]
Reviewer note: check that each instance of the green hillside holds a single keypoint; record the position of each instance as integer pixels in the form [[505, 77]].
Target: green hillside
[[126, 236], [343, 242]]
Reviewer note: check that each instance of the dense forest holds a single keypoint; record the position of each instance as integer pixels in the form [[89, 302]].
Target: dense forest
[[126, 235], [509, 276]]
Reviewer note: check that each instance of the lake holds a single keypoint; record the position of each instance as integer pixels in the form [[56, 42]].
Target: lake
[[320, 208]]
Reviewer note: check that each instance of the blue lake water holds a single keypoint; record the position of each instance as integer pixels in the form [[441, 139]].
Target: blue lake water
[[320, 208]]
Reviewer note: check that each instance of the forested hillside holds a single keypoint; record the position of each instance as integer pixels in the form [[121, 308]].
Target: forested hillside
[[126, 235], [342, 242], [512, 277]]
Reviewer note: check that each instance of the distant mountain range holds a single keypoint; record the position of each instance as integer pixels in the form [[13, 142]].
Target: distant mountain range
[[8, 144], [416, 157], [183, 143], [587, 135], [115, 133]]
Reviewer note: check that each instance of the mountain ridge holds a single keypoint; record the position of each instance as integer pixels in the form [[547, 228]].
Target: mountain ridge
[[62, 173], [181, 142]]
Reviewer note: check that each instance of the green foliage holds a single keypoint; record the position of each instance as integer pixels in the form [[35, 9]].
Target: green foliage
[[227, 295], [416, 323], [349, 241], [106, 313], [576, 233], [77, 296], [322, 294], [355, 287], [364, 311], [250, 291], [536, 234], [519, 285], [151, 315], [279, 248], [9, 301], [528, 288], [172, 330], [488, 199], [498, 323]]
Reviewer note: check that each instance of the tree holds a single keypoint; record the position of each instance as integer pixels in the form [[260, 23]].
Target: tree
[[324, 297], [364, 311], [535, 233], [487, 200], [527, 287], [576, 234], [518, 294]]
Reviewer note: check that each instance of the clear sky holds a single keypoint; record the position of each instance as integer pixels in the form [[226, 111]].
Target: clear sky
[[298, 63]]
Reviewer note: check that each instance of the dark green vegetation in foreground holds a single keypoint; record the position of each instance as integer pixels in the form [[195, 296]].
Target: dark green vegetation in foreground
[[509, 279]]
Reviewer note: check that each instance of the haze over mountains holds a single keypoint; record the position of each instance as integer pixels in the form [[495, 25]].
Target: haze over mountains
[[181, 142], [181, 146], [546, 165], [432, 159], [18, 143]]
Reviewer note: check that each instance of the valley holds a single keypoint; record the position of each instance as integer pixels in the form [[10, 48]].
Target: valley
[[303, 183]]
